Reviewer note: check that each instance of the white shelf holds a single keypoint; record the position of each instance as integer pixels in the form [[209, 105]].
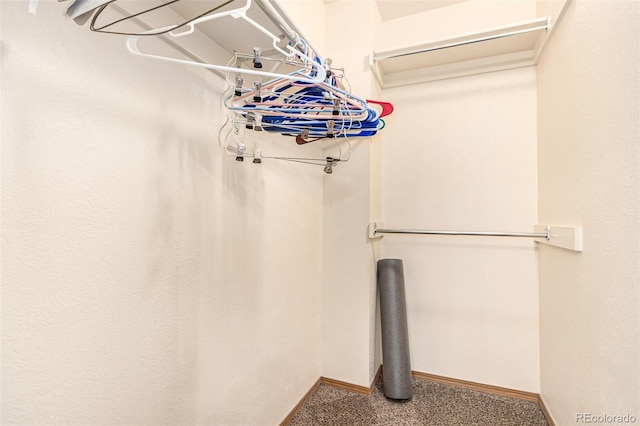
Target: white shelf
[[208, 43], [494, 49]]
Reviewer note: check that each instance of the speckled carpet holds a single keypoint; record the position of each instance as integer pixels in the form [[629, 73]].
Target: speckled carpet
[[432, 404]]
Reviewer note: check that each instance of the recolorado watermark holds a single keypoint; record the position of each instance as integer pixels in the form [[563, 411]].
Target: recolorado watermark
[[605, 418]]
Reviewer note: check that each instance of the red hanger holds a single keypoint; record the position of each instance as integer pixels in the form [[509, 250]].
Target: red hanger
[[387, 107]]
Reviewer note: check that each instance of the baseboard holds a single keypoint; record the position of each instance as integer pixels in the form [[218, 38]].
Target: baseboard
[[496, 390], [545, 411], [301, 403], [345, 385], [335, 383]]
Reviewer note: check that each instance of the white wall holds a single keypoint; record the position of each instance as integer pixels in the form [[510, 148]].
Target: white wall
[[589, 162], [460, 154], [146, 277], [350, 200], [348, 291]]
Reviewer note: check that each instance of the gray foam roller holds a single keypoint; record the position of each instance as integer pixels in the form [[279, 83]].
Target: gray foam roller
[[396, 363]]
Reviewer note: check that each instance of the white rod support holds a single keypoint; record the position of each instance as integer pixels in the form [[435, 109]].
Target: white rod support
[[566, 237]]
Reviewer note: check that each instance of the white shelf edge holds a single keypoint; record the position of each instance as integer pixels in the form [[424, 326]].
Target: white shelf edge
[[461, 38], [526, 56]]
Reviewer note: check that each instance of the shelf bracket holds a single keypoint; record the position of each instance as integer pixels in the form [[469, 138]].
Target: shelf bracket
[[566, 237]]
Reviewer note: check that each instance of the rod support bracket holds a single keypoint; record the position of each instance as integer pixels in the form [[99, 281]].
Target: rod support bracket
[[372, 228], [566, 237]]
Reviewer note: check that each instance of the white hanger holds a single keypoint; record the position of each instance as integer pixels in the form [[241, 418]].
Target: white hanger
[[293, 52]]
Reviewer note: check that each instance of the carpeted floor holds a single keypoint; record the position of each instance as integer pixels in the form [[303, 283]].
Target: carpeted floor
[[432, 404]]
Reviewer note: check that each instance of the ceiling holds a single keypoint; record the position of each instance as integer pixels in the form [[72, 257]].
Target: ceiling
[[392, 9]]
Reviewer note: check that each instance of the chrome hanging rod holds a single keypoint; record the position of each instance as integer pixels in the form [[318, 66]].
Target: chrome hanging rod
[[375, 230], [283, 21], [544, 26], [276, 15]]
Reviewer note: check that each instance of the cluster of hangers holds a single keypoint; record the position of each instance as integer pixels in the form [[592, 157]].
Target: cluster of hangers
[[309, 104], [298, 94]]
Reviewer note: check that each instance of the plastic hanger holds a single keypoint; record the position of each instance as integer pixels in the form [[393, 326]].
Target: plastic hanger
[[296, 100], [387, 107], [299, 99], [304, 113]]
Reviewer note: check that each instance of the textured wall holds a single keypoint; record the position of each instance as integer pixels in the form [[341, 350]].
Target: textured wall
[[146, 277], [348, 276], [460, 154], [589, 161]]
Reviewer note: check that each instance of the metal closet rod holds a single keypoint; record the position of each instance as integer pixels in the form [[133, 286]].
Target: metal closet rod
[[465, 42], [275, 14], [546, 235], [283, 21]]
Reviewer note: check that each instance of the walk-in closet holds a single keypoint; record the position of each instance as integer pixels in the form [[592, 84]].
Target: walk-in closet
[[197, 196]]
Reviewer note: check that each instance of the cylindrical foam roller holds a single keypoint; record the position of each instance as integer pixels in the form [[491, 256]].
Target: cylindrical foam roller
[[396, 363]]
